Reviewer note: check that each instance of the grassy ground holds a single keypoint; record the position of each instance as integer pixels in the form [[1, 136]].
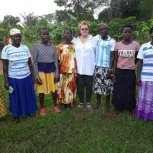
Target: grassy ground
[[74, 131]]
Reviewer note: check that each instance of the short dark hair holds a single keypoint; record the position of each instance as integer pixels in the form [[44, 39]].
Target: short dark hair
[[127, 26], [67, 29], [43, 29], [151, 30]]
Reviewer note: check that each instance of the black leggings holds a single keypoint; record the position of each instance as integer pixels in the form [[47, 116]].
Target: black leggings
[[84, 81]]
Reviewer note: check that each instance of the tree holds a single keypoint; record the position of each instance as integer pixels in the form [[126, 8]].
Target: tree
[[1, 44], [29, 19], [146, 9], [129, 8], [105, 15], [32, 25], [71, 4], [115, 9], [63, 16], [82, 9], [50, 18], [9, 21], [124, 8]]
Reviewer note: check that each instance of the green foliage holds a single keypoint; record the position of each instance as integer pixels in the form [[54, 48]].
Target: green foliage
[[141, 9], [140, 32], [34, 24], [77, 10], [9, 22], [31, 35], [82, 9], [30, 19], [2, 31], [50, 17], [63, 16], [74, 5], [104, 15], [56, 33], [62, 2], [129, 8], [146, 9]]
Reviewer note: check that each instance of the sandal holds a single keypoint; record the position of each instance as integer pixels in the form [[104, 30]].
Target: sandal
[[80, 106], [114, 114], [56, 109], [42, 111], [88, 107], [16, 120]]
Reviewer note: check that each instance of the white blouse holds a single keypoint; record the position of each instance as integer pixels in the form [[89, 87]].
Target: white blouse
[[85, 55]]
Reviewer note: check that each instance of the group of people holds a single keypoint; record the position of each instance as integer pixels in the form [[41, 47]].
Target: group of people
[[82, 65]]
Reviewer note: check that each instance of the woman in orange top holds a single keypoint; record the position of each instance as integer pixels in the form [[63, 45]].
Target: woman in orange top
[[67, 69]]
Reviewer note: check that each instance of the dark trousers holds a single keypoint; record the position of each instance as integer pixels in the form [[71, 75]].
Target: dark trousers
[[84, 82]]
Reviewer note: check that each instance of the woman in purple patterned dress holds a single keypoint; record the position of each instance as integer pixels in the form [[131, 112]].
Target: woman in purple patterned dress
[[145, 80]]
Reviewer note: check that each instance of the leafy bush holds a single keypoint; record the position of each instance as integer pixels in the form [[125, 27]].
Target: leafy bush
[[31, 33]]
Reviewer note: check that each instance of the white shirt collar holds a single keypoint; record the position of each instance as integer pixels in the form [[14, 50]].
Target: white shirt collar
[[90, 36], [149, 45]]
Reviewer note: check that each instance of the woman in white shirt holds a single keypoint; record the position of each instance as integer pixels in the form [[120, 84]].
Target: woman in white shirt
[[85, 57], [17, 70]]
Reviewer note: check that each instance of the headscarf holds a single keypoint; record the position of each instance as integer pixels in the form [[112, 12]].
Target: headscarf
[[14, 31]]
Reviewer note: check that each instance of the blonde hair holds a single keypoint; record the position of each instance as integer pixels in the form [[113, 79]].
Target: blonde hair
[[84, 23]]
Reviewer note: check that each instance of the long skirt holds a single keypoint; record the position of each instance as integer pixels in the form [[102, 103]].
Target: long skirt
[[145, 101], [101, 84], [67, 88], [22, 99], [124, 90]]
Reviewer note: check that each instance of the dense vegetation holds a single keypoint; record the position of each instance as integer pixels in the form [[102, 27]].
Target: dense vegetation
[[139, 13]]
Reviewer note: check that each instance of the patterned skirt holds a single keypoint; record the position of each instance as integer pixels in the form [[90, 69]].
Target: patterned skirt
[[3, 109], [145, 101], [67, 88], [101, 84]]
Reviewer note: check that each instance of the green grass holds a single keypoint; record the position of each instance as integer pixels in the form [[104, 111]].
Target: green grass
[[74, 131]]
